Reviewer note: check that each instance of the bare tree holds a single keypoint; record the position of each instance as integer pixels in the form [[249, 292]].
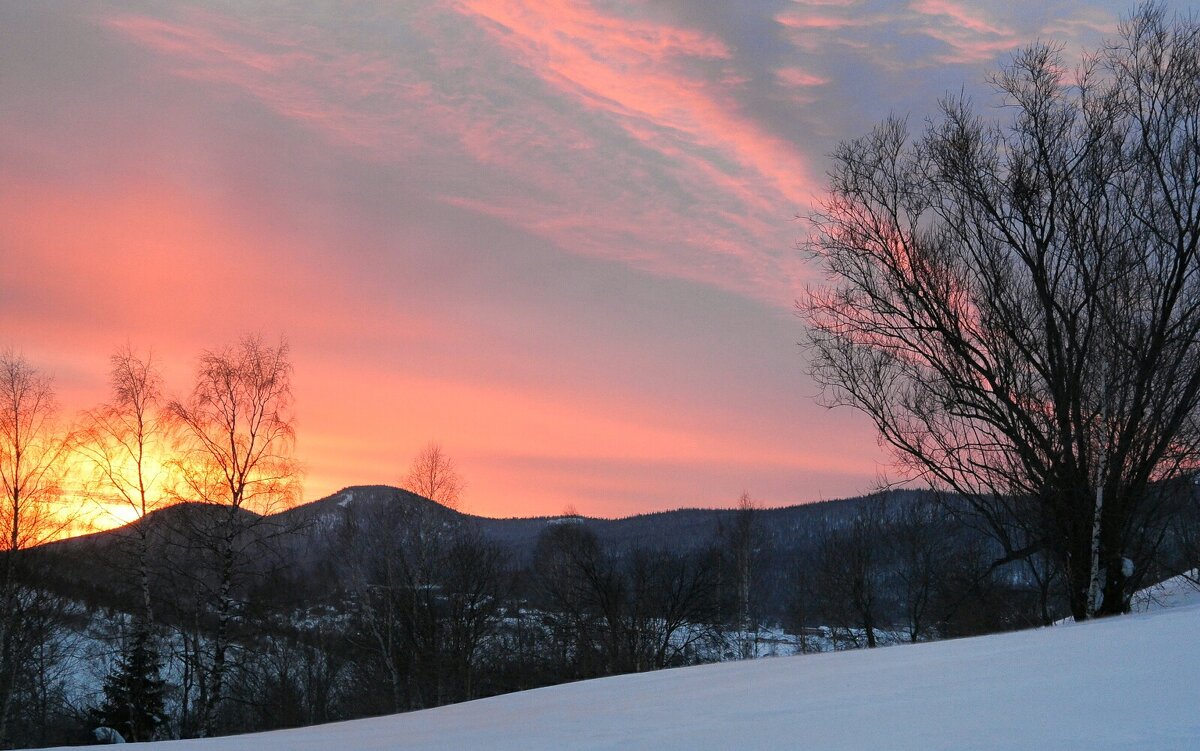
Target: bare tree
[[398, 550], [920, 543], [672, 604], [124, 442], [237, 432], [475, 585], [296, 676], [427, 592], [432, 474], [41, 711], [849, 575], [1016, 304], [583, 596], [33, 456], [741, 542], [608, 614]]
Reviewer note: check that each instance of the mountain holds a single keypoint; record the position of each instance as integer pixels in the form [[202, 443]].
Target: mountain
[[309, 541], [679, 530]]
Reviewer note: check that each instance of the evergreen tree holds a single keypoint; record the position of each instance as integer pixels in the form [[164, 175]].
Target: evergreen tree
[[133, 692]]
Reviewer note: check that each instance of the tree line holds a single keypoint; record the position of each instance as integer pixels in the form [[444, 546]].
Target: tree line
[[400, 603]]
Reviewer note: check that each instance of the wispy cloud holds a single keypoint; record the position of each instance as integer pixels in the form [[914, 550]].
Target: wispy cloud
[[962, 32], [968, 33], [638, 120], [358, 98], [799, 78], [535, 109], [668, 90]]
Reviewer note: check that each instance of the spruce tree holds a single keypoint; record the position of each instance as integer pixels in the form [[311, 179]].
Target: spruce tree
[[133, 692]]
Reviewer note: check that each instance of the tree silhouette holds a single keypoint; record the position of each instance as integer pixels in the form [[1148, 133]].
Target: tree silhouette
[[1016, 304], [133, 692]]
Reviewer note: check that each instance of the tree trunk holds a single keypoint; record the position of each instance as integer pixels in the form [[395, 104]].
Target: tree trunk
[[1096, 571], [220, 639]]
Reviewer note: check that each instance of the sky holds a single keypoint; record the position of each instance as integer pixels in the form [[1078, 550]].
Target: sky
[[558, 238]]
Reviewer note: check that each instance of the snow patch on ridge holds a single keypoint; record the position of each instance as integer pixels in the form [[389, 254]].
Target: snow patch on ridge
[[1178, 591]]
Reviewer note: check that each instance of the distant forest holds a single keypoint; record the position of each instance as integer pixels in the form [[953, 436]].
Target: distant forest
[[377, 600]]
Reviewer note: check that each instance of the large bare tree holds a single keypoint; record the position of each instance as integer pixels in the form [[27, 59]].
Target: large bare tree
[[237, 433], [1016, 302]]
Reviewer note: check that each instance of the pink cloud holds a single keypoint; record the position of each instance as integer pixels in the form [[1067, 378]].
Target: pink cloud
[[800, 21], [815, 28], [611, 81], [961, 16], [799, 78], [970, 36], [969, 33], [656, 83], [389, 192], [1089, 22]]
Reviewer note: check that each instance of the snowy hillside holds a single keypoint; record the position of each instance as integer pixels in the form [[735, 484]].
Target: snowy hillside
[[1125, 683]]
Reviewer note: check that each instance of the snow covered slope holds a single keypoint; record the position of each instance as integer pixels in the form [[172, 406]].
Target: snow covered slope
[[1123, 683]]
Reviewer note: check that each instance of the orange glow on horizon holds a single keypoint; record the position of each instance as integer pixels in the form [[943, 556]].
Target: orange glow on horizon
[[89, 503]]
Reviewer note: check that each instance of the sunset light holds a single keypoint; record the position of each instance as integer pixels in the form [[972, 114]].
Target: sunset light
[[569, 255], [92, 502], [360, 359]]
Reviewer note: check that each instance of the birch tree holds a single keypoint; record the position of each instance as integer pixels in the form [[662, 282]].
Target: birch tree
[[237, 433], [432, 474], [33, 461], [125, 445]]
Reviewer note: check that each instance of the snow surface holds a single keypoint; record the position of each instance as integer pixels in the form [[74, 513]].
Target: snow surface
[[1131, 682], [1175, 592]]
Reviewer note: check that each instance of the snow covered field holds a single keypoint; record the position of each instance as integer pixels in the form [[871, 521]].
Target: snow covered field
[[1124, 683]]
